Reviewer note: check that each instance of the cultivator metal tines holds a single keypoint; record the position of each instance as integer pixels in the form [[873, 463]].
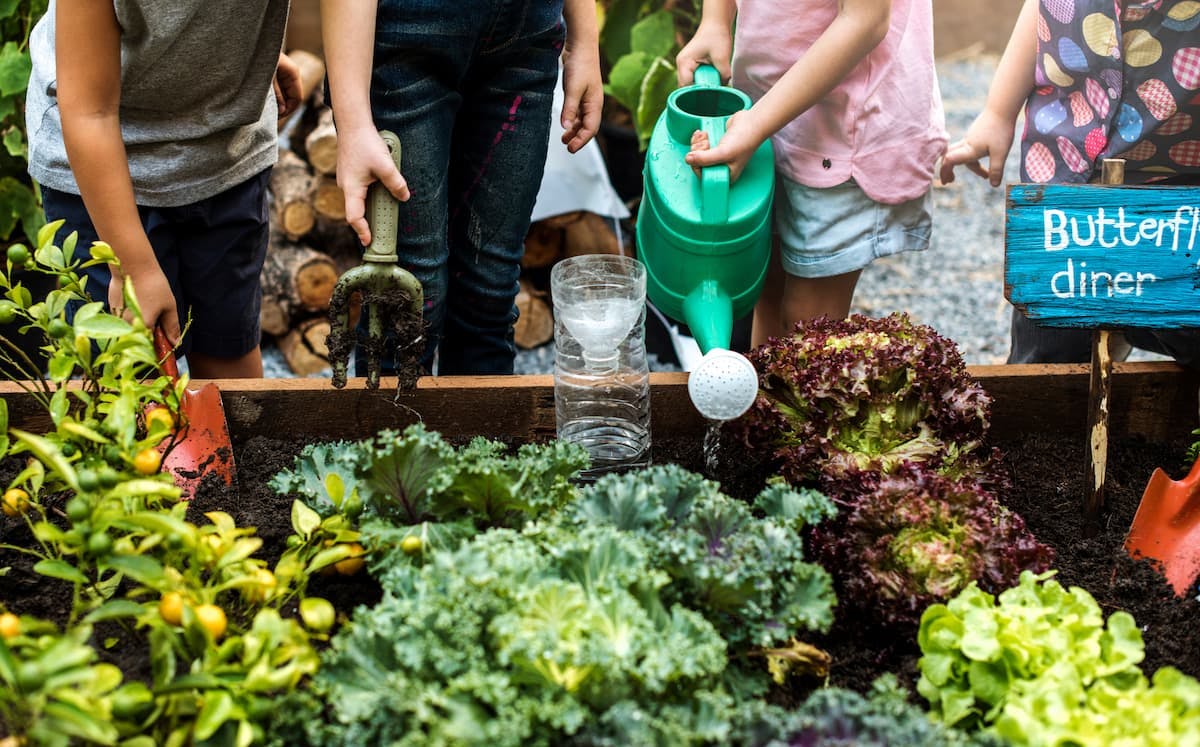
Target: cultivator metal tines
[[391, 296]]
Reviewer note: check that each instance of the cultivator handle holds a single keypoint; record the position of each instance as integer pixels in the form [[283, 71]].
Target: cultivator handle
[[389, 293]]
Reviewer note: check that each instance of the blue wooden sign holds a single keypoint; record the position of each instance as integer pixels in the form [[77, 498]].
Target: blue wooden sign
[[1103, 256]]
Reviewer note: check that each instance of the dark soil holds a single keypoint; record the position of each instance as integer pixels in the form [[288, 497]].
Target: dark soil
[[1047, 490]]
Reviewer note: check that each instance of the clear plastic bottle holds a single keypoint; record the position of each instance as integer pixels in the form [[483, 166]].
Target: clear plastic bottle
[[601, 376]]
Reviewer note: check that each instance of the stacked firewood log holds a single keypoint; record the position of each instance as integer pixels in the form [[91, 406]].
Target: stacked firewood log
[[311, 245]]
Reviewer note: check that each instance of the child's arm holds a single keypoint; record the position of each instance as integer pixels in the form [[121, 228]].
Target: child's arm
[[583, 88], [88, 60], [712, 42], [858, 28], [991, 134], [348, 33]]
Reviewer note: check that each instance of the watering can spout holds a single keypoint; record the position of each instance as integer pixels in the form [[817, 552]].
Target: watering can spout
[[708, 312]]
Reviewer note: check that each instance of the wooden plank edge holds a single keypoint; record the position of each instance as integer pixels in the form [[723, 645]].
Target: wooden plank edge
[[1153, 400]]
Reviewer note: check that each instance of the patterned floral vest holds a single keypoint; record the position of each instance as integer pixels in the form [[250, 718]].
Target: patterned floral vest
[[1114, 79]]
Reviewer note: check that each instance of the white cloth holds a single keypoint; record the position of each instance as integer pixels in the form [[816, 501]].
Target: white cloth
[[575, 181]]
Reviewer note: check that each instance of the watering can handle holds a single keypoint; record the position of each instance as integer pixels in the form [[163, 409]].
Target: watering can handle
[[706, 75], [383, 214], [714, 180]]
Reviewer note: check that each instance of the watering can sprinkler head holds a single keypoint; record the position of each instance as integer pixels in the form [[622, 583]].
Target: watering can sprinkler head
[[723, 385]]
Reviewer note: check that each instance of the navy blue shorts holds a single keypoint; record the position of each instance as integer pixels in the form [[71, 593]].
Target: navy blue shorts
[[212, 253]]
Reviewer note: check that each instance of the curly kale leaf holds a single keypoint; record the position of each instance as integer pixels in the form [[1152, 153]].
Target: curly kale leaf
[[745, 572], [326, 476], [530, 638], [835, 717], [414, 476], [505, 490]]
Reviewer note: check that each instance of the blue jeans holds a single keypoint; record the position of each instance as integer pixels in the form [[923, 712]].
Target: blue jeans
[[468, 87]]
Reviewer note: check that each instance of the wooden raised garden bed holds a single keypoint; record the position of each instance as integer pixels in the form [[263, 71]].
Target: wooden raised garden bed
[[1038, 421]]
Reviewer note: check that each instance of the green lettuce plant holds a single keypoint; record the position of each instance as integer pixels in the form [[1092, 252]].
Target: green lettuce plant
[[1040, 665]]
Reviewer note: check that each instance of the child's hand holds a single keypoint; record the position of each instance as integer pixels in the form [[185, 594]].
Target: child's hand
[[363, 159], [288, 90], [155, 299], [736, 147], [711, 45], [583, 96], [988, 136]]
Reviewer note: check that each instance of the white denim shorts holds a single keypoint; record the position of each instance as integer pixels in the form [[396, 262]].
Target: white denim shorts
[[836, 230]]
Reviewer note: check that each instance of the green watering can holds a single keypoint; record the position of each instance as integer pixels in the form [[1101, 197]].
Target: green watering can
[[706, 242]]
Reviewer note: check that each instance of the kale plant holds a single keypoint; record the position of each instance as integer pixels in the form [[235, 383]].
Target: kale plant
[[525, 638], [836, 717], [742, 566]]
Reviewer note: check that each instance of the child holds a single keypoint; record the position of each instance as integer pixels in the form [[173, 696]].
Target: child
[[468, 88], [1097, 79], [848, 93], [153, 126]]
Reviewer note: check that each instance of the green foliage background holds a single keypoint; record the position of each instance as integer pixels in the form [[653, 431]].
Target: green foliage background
[[20, 203], [638, 43]]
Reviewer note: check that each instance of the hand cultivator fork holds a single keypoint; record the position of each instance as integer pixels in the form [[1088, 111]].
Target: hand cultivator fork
[[391, 296]]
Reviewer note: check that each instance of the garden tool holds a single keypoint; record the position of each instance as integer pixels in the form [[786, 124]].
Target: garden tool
[[1166, 527], [705, 241], [200, 445], [390, 294]]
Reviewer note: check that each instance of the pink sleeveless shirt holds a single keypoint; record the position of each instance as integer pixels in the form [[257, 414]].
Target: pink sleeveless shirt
[[882, 126]]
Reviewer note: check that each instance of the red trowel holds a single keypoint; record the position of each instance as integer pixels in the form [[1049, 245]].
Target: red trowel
[[200, 445], [1166, 527]]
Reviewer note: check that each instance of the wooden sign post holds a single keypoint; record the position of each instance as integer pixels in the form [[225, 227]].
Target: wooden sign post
[[1103, 257]]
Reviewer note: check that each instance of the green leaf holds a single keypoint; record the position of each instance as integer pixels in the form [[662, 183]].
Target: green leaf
[[74, 721], [14, 143], [61, 570], [625, 79], [329, 556], [49, 454], [8, 664], [103, 327], [658, 84], [115, 609], [218, 708], [615, 36], [15, 68], [654, 34], [161, 523], [336, 487], [304, 520], [141, 568], [47, 232]]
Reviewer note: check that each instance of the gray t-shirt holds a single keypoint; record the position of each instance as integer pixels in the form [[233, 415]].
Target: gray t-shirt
[[198, 113]]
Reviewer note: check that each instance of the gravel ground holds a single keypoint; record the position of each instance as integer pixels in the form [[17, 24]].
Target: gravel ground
[[957, 286]]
